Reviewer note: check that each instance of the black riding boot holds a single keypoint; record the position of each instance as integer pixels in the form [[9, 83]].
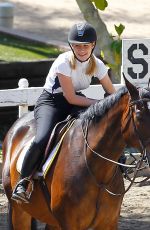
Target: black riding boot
[[30, 164]]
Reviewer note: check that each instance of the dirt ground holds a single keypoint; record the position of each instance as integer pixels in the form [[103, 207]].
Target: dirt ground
[[135, 212], [46, 19]]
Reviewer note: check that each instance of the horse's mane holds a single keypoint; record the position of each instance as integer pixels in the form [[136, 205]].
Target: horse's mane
[[99, 109]]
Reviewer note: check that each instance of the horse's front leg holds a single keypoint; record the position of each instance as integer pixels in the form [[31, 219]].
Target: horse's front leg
[[19, 218]]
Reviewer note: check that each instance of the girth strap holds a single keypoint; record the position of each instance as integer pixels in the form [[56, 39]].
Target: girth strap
[[45, 192]]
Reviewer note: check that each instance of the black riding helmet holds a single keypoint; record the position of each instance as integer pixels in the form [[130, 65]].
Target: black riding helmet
[[81, 33]]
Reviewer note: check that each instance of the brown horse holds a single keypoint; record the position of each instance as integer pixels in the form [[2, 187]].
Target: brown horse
[[84, 178]]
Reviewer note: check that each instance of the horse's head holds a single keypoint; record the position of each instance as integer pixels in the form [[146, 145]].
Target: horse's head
[[139, 115]]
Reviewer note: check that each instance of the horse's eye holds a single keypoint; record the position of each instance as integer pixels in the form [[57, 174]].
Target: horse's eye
[[138, 114]]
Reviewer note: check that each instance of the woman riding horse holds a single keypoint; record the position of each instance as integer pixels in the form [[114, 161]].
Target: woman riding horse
[[85, 183], [71, 72]]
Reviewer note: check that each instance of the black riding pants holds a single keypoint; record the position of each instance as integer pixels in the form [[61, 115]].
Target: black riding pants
[[50, 109]]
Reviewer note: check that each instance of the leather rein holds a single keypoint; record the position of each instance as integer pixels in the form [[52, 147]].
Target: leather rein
[[136, 166]]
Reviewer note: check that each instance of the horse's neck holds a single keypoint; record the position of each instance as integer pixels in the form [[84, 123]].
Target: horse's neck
[[106, 138]]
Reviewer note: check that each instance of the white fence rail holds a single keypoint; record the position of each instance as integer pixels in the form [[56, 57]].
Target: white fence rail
[[25, 96]]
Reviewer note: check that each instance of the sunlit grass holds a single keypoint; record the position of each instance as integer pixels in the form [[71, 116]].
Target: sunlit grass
[[15, 49]]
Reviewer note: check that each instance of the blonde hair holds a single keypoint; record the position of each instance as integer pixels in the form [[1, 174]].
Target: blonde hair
[[91, 68]]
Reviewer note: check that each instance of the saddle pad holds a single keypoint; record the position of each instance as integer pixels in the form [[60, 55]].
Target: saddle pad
[[51, 158], [22, 155]]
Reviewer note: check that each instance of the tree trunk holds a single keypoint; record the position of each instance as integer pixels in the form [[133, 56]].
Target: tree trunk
[[92, 16]]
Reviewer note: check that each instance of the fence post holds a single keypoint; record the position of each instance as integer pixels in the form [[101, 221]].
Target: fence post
[[23, 83], [6, 14]]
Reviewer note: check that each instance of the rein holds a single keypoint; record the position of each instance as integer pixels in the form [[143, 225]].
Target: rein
[[101, 185], [138, 164]]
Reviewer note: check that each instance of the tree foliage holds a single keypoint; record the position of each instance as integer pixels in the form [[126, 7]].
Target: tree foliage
[[100, 4], [109, 46]]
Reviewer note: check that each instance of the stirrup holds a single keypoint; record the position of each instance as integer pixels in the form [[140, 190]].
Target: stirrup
[[20, 198], [25, 195]]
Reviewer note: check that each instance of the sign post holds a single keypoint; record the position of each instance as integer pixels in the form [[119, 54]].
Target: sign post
[[136, 61]]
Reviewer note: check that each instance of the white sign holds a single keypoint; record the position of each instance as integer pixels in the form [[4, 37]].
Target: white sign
[[136, 60]]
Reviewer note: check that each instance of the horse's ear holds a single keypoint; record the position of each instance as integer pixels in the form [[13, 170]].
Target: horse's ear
[[134, 93]]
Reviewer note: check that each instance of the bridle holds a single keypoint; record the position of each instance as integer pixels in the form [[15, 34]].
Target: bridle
[[137, 167], [143, 143], [135, 103]]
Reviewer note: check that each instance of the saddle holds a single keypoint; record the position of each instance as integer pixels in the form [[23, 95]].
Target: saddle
[[56, 137], [55, 140]]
